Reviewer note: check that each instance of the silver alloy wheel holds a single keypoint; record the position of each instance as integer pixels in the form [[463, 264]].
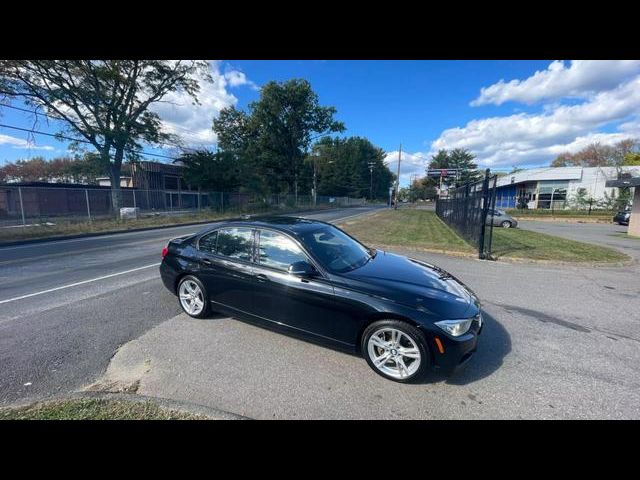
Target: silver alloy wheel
[[191, 297], [506, 224], [394, 353]]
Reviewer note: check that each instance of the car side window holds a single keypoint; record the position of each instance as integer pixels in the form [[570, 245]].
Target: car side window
[[279, 251], [207, 243], [235, 243]]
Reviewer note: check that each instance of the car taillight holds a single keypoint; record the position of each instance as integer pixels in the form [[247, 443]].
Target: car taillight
[[165, 250]]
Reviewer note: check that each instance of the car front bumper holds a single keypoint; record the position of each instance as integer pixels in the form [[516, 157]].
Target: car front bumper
[[451, 353]]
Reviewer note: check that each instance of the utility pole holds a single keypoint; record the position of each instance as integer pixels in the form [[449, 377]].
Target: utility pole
[[398, 178], [371, 165]]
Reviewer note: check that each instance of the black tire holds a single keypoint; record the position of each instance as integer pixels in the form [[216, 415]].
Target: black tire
[[206, 310], [416, 336], [506, 224]]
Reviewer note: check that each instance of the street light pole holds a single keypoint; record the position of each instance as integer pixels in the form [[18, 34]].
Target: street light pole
[[315, 154], [371, 165], [395, 205]]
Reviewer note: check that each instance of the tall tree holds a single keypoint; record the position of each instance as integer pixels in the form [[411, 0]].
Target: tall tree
[[219, 171], [598, 155], [105, 103], [342, 168], [460, 159], [81, 169], [276, 133]]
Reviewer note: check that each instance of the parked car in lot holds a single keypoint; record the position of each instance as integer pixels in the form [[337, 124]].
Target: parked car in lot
[[501, 219], [309, 278], [622, 217]]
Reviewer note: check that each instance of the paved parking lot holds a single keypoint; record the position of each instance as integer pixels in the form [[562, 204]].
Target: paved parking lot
[[559, 342]]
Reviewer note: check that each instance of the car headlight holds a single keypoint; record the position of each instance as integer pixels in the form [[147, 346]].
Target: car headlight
[[455, 328]]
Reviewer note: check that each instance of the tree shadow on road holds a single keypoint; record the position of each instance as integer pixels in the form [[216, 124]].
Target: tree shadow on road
[[494, 345]]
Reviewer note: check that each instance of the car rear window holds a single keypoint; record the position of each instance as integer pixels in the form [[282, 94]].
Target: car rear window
[[235, 243]]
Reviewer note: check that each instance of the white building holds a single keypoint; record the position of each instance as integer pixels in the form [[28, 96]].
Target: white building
[[538, 187]]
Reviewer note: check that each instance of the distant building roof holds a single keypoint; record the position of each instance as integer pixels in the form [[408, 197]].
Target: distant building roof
[[556, 173]]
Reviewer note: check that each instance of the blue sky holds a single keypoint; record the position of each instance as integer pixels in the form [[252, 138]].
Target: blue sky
[[506, 112]]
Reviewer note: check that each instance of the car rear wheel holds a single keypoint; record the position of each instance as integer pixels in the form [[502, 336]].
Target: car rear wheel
[[506, 224], [193, 297], [395, 350]]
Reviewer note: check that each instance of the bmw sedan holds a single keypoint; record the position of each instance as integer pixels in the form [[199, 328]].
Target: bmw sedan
[[309, 278]]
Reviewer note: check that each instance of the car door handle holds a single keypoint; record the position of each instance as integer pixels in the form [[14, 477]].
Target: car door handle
[[206, 261], [261, 277]]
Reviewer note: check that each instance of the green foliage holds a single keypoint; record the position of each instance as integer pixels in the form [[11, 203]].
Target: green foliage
[[342, 168], [631, 158], [459, 158], [423, 189], [207, 170], [617, 202], [273, 137]]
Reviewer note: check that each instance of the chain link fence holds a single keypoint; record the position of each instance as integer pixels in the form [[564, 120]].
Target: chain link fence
[[22, 206], [468, 209]]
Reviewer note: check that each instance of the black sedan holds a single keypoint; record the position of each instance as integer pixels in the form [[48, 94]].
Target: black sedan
[[310, 278]]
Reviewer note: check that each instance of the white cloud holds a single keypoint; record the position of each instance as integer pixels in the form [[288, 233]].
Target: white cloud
[[410, 164], [21, 143], [192, 122], [237, 78], [536, 138], [579, 78]]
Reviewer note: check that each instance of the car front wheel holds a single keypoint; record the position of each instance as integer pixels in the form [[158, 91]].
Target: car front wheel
[[193, 297], [506, 224], [395, 350]]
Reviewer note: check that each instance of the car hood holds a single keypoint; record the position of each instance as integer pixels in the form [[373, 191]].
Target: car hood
[[416, 284]]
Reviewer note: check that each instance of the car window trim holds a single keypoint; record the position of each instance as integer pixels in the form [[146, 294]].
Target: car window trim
[[206, 234], [312, 260]]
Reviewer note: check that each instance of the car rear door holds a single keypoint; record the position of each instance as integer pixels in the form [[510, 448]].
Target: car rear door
[[225, 266]]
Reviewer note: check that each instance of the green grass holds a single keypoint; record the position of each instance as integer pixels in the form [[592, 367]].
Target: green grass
[[422, 229], [406, 228], [524, 244], [90, 409]]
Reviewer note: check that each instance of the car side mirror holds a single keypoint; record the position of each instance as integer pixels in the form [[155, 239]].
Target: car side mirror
[[302, 269]]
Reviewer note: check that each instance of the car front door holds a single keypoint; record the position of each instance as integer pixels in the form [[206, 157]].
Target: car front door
[[303, 303], [226, 269]]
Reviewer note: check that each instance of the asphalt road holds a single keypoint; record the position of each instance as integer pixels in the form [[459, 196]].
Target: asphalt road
[[66, 306], [559, 342]]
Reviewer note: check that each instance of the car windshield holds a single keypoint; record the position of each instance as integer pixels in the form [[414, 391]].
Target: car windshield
[[335, 250]]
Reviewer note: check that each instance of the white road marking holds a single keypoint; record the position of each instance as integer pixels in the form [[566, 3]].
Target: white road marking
[[78, 283]]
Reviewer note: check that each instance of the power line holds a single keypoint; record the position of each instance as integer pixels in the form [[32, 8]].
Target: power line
[[36, 113], [57, 136]]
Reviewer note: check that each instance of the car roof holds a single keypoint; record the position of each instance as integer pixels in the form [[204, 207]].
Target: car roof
[[294, 225]]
